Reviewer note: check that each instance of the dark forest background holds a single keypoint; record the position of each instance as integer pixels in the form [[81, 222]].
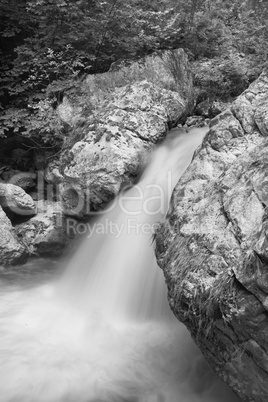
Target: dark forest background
[[48, 47]]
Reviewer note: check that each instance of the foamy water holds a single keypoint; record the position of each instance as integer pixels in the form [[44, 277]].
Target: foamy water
[[103, 331]]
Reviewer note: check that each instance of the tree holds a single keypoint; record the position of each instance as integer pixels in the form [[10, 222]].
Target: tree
[[48, 45]]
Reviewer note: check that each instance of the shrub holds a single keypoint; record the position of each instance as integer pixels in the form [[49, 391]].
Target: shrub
[[223, 77]]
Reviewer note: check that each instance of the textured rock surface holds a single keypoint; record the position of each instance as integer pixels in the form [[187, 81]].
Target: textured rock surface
[[25, 180], [198, 121], [11, 250], [16, 200], [208, 108], [46, 233], [110, 148], [213, 246]]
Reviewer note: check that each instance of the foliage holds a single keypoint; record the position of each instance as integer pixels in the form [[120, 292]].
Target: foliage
[[48, 46], [55, 41], [224, 77]]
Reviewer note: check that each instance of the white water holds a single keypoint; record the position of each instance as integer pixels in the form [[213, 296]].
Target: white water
[[103, 332]]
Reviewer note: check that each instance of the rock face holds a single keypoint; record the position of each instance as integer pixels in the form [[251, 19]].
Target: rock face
[[112, 144], [213, 246], [11, 250]]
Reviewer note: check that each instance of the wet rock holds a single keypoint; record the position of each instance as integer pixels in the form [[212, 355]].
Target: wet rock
[[14, 199], [11, 250], [47, 232], [213, 245]]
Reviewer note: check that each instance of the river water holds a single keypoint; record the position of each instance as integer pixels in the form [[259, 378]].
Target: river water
[[96, 327]]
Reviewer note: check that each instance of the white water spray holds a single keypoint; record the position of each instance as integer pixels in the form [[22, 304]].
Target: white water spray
[[103, 332]]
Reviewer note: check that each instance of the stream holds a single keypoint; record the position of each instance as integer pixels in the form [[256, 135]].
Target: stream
[[96, 326]]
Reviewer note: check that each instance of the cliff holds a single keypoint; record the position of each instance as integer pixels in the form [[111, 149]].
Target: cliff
[[213, 245]]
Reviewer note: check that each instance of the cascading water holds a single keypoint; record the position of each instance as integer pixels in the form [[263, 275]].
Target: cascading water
[[103, 331]]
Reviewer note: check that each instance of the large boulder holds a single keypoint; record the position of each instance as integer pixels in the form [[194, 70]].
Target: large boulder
[[109, 146], [47, 232], [11, 250], [14, 199], [213, 245]]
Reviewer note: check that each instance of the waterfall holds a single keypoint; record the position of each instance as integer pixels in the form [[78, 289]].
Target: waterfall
[[115, 268], [102, 331]]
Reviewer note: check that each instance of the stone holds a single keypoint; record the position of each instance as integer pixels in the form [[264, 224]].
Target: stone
[[213, 246], [247, 104], [16, 200], [210, 109], [215, 109], [47, 232], [202, 109], [195, 121], [261, 115], [12, 250], [25, 180]]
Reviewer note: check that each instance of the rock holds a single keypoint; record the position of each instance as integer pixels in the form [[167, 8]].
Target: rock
[[215, 109], [15, 200], [247, 105], [261, 115], [213, 245], [11, 250], [119, 64], [66, 113], [109, 148], [202, 109], [210, 109], [47, 232], [195, 121], [25, 180], [201, 96]]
